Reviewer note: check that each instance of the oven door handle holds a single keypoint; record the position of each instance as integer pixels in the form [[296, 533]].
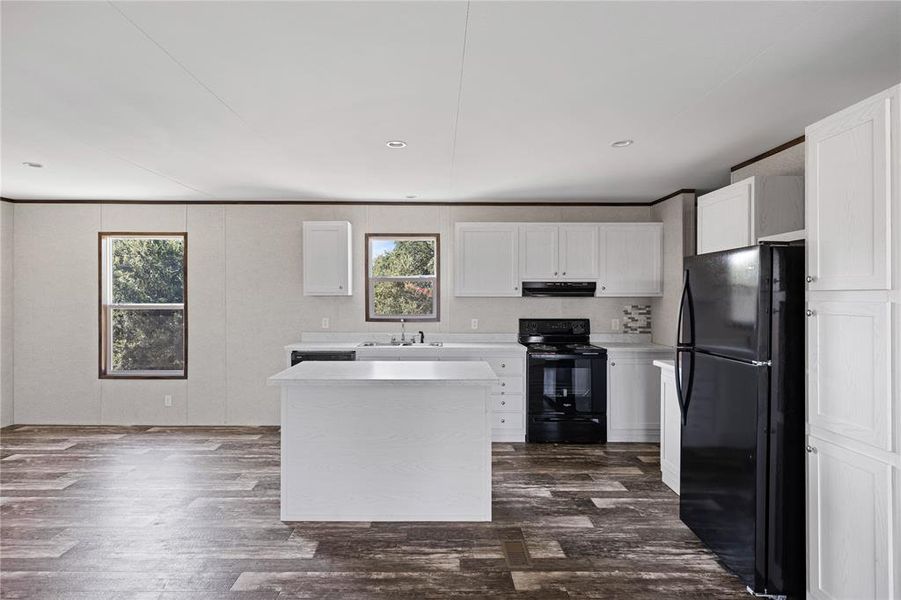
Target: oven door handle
[[565, 419]]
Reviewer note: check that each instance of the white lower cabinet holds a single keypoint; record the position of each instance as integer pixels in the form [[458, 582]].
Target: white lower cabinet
[[633, 396], [851, 533], [508, 406], [670, 426]]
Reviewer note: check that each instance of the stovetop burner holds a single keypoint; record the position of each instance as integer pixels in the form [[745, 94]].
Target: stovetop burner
[[563, 348]]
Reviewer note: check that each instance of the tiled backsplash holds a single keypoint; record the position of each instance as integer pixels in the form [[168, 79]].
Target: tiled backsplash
[[637, 318]]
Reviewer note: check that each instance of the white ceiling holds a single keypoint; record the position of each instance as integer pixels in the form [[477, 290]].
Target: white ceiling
[[513, 101]]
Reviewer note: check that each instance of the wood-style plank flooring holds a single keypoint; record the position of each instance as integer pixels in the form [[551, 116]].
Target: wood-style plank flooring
[[144, 513]]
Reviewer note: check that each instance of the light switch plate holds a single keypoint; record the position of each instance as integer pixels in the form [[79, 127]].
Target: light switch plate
[[325, 324], [167, 400], [474, 324], [615, 325]]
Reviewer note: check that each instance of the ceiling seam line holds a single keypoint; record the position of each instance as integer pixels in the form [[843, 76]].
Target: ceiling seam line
[[179, 63], [450, 183]]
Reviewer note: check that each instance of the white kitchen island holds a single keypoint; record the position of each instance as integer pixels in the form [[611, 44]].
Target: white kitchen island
[[386, 441]]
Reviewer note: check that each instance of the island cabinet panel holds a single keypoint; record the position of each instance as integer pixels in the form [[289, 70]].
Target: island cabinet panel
[[486, 257], [327, 257], [381, 452]]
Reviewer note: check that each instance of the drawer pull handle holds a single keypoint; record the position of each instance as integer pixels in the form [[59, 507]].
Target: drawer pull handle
[[811, 450], [503, 365], [503, 403], [809, 279], [503, 384], [613, 364], [503, 420], [810, 313]]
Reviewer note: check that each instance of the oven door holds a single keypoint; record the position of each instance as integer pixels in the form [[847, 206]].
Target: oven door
[[561, 384]]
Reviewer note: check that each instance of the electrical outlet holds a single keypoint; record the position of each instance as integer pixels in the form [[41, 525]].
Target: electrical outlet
[[325, 322], [167, 400], [615, 325], [474, 324]]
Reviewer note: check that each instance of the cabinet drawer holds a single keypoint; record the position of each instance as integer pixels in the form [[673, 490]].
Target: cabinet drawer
[[506, 367], [507, 386], [507, 403], [506, 420]]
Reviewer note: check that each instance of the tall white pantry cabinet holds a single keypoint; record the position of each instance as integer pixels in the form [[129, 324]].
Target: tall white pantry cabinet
[[853, 214]]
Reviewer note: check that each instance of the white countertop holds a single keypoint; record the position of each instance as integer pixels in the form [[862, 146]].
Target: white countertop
[[357, 372], [640, 347], [667, 365], [512, 347]]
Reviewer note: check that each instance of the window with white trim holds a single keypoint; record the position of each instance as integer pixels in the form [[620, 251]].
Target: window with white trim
[[402, 277], [143, 305]]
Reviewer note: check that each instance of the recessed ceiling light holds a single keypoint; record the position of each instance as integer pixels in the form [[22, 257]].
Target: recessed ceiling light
[[622, 143], [34, 165], [411, 196], [396, 144]]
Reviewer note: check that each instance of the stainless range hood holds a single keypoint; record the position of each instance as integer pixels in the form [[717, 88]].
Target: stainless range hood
[[552, 289]]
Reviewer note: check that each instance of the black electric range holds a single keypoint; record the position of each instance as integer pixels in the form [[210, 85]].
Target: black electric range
[[567, 382]]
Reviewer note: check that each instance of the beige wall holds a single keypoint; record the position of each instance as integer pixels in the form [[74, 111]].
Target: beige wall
[[788, 162], [245, 302], [6, 313], [665, 309]]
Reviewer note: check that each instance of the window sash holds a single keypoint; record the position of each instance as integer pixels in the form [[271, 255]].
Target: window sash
[[107, 306], [373, 316]]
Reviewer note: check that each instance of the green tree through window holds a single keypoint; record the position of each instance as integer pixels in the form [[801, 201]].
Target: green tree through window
[[143, 316], [402, 277]]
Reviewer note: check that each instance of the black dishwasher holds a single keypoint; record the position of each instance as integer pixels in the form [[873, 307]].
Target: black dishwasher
[[299, 356]]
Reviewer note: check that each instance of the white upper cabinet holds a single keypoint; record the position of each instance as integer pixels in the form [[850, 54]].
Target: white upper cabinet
[[558, 251], [539, 251], [578, 256], [631, 259], [739, 214], [486, 259], [625, 259], [327, 258], [852, 159]]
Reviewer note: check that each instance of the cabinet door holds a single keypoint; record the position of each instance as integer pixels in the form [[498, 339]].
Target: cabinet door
[[849, 197], [487, 257], [849, 370], [849, 524], [632, 259], [538, 252], [726, 218], [578, 252], [326, 258], [633, 411], [670, 430]]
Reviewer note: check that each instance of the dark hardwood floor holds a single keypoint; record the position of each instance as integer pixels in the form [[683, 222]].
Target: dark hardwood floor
[[105, 513]]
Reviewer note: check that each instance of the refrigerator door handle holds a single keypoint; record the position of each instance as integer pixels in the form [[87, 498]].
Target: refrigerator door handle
[[684, 397]]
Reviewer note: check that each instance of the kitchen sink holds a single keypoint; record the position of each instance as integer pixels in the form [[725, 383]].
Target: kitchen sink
[[397, 344]]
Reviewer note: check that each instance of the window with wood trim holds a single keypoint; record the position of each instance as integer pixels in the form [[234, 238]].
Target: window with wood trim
[[402, 277], [143, 305]]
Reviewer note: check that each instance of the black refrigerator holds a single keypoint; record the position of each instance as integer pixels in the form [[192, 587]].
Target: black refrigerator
[[740, 384]]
